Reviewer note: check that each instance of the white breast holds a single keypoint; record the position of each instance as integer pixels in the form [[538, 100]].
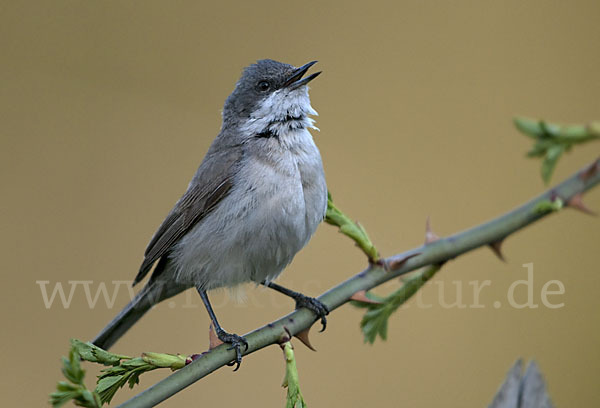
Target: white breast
[[278, 199]]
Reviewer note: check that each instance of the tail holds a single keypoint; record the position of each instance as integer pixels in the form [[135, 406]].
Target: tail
[[153, 293]]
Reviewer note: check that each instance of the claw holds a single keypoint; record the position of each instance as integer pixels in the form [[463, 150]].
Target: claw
[[238, 356], [323, 324], [315, 306], [236, 344]]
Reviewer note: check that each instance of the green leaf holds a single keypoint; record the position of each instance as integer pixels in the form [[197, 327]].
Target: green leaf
[[549, 129], [113, 378], [290, 380], [172, 361], [576, 132], [108, 386], [351, 229], [60, 398], [547, 206], [107, 382], [75, 389], [72, 369], [539, 149], [529, 127], [90, 399], [549, 163], [134, 363], [376, 320], [95, 354], [64, 386]]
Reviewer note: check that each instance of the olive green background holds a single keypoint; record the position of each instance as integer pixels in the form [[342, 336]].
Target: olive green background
[[107, 108]]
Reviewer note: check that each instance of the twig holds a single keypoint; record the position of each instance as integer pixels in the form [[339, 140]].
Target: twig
[[490, 233]]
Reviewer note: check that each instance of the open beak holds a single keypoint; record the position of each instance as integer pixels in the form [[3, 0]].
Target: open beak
[[295, 80]]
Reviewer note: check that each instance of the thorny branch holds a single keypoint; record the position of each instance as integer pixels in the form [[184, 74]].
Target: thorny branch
[[434, 252]]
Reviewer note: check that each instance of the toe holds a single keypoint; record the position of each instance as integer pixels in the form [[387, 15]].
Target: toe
[[238, 362], [323, 323]]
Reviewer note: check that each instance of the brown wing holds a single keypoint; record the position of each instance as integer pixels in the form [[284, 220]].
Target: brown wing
[[211, 184]]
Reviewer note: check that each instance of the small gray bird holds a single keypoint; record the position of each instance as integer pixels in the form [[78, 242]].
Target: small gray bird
[[254, 202]]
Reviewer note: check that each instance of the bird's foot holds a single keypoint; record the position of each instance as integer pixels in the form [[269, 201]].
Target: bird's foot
[[315, 306], [236, 344]]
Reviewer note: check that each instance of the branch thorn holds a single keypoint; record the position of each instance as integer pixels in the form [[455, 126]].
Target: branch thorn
[[430, 236], [590, 170], [397, 263], [213, 340], [361, 296], [576, 202], [303, 337], [496, 247]]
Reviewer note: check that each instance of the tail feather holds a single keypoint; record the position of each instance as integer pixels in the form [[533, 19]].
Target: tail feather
[[153, 293]]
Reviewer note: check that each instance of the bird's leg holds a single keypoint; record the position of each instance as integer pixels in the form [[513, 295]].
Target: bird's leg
[[308, 302], [233, 339]]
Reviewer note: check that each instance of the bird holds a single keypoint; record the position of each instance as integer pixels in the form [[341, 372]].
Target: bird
[[256, 199]]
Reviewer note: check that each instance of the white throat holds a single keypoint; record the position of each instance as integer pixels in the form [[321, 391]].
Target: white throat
[[282, 112]]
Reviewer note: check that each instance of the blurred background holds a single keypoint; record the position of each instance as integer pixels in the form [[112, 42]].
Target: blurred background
[[107, 108]]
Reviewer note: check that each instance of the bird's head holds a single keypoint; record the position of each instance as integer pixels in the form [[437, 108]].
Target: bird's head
[[270, 98]]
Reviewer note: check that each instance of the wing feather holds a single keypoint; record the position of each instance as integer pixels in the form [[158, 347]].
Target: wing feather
[[211, 184]]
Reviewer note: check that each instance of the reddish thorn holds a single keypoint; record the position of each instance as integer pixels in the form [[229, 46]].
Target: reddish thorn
[[496, 247], [589, 171], [303, 337], [361, 296], [213, 339], [576, 202], [430, 236], [395, 264]]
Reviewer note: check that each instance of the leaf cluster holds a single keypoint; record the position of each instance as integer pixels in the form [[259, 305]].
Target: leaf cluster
[[375, 321], [114, 378], [74, 388], [120, 370], [552, 140]]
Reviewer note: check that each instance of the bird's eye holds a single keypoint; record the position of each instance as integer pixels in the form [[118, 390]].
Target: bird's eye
[[263, 86]]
